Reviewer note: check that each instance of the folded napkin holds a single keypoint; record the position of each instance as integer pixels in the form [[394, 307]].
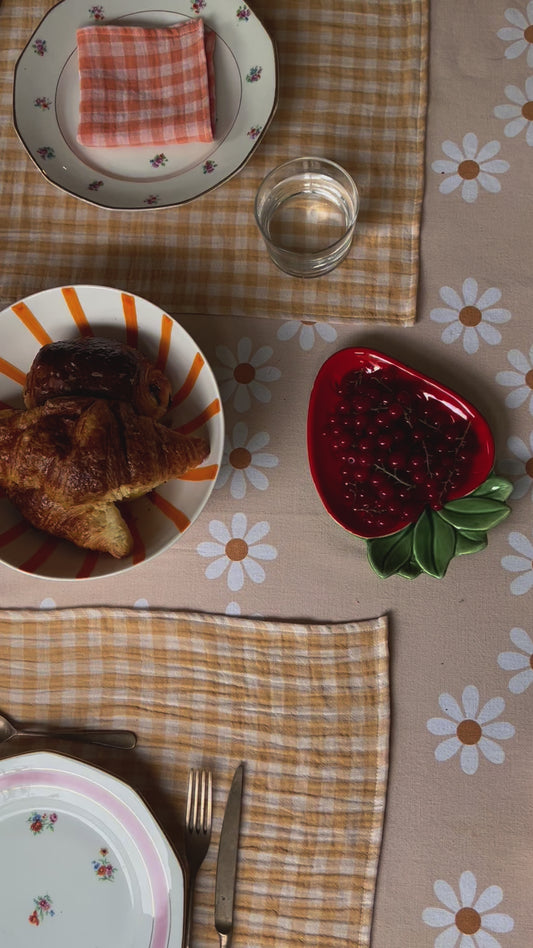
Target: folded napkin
[[306, 707], [146, 86]]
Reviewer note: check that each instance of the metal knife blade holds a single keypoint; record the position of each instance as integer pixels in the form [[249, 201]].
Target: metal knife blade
[[227, 860]]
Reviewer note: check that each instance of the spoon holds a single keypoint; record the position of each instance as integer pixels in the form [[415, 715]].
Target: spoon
[[112, 738]]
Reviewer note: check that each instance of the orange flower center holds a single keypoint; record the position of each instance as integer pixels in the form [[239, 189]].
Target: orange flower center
[[469, 732], [528, 34], [244, 373], [529, 378], [527, 111], [240, 458], [468, 921], [236, 549], [470, 316], [468, 169], [529, 467]]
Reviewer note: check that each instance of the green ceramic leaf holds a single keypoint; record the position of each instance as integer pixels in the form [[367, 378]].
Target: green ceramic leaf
[[388, 555], [471, 534], [433, 543], [411, 570], [429, 545], [474, 513], [470, 542], [498, 488]]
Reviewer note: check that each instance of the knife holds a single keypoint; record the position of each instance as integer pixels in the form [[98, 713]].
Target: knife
[[227, 861]]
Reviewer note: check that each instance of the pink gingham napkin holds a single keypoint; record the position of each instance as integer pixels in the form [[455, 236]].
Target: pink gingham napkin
[[142, 86]]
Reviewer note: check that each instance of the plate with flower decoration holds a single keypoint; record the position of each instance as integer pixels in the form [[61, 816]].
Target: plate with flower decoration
[[84, 861], [47, 97]]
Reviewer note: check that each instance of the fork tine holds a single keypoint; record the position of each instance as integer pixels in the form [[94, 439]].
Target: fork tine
[[203, 822], [190, 792], [196, 798], [199, 813], [208, 819], [198, 824]]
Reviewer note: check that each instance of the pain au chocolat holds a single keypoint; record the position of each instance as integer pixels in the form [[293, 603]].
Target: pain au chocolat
[[99, 367]]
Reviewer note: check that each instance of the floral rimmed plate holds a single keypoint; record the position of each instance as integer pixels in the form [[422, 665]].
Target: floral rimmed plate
[[402, 462], [46, 105], [161, 517], [84, 862]]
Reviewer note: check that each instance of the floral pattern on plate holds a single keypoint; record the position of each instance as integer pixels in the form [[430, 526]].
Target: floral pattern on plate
[[43, 909], [42, 821], [103, 869]]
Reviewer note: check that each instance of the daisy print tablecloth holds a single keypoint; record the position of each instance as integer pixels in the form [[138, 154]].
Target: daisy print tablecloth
[[456, 858]]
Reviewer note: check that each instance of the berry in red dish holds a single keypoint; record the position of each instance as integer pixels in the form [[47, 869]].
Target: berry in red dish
[[402, 462]]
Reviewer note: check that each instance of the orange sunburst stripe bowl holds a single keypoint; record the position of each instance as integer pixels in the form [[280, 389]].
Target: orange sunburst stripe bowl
[[70, 311], [76, 310]]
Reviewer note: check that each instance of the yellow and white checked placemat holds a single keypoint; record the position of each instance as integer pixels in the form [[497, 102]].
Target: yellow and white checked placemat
[[352, 87], [306, 707]]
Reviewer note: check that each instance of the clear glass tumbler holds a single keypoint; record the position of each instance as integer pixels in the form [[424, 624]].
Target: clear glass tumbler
[[306, 210]]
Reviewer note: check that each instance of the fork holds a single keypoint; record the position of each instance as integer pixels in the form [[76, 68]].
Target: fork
[[198, 820]]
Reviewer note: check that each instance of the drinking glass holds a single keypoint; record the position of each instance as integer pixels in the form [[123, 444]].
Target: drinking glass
[[306, 210]]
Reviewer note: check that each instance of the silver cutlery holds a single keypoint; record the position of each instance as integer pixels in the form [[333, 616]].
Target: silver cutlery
[[227, 861], [124, 740], [198, 822]]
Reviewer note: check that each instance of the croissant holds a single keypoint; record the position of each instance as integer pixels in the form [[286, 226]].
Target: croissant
[[98, 526], [94, 366], [64, 465]]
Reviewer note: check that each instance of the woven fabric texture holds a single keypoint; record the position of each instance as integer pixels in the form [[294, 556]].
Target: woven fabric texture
[[352, 88], [145, 86], [306, 707]]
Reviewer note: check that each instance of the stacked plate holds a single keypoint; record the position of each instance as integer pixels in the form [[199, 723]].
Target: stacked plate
[[83, 860]]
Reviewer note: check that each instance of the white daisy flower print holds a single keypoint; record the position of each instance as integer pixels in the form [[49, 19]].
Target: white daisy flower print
[[470, 316], [237, 550], [467, 921], [519, 112], [520, 466], [520, 34], [520, 662], [245, 374], [242, 460], [307, 330], [233, 609], [470, 730], [521, 380], [470, 167], [521, 564]]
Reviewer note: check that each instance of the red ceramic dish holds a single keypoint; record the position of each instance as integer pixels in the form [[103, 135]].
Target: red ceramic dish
[[385, 443]]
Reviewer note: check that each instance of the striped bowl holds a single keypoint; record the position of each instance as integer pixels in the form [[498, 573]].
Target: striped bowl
[[162, 516]]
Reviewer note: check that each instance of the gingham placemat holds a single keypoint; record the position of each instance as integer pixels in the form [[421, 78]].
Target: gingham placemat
[[306, 707], [352, 87]]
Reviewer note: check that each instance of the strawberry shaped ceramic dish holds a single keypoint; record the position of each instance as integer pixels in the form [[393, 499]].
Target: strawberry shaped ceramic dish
[[402, 462]]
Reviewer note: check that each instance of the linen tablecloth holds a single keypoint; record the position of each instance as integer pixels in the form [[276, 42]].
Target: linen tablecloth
[[306, 707], [352, 88]]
